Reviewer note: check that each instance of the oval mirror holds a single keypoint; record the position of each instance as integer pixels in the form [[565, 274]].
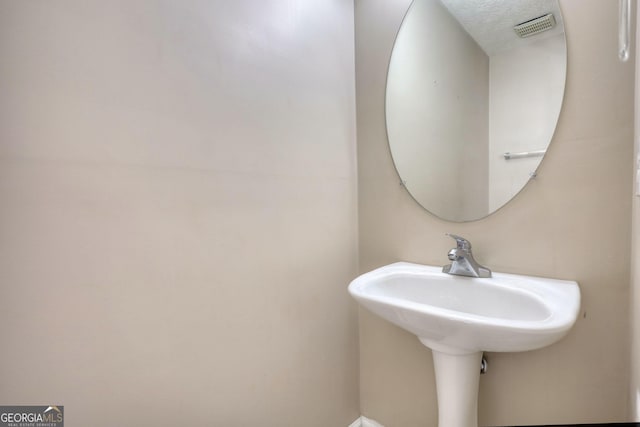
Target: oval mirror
[[474, 91]]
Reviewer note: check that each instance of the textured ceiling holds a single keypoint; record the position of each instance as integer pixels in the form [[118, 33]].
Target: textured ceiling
[[491, 22]]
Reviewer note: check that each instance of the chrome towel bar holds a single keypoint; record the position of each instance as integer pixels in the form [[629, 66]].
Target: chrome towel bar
[[523, 154]]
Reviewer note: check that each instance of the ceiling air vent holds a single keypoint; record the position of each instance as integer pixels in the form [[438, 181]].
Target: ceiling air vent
[[535, 25]]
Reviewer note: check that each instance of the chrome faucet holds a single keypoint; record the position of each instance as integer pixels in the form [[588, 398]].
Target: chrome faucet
[[462, 262]]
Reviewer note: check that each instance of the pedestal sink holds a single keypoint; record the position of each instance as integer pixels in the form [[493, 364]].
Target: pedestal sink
[[459, 318]]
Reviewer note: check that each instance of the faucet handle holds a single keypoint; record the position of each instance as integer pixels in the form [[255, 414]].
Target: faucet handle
[[461, 242]]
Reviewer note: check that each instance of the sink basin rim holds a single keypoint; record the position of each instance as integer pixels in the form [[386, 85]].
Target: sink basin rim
[[536, 288]]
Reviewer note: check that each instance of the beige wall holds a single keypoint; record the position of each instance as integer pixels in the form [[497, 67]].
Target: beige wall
[[572, 222], [634, 389], [178, 216]]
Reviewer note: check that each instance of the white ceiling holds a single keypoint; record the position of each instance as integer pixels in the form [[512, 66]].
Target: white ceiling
[[491, 22]]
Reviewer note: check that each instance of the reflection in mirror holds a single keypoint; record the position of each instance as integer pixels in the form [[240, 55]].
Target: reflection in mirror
[[463, 89]]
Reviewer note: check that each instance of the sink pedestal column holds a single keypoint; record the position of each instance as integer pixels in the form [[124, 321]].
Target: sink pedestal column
[[457, 380]]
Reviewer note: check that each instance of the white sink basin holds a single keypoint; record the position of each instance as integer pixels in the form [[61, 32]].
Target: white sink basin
[[461, 317], [457, 314]]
